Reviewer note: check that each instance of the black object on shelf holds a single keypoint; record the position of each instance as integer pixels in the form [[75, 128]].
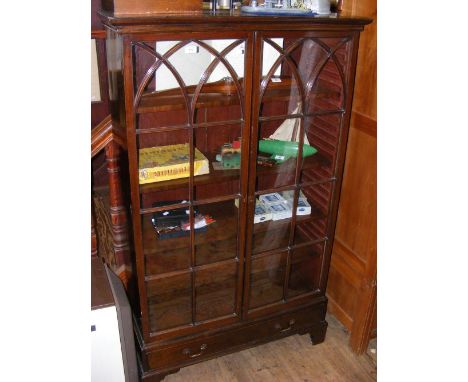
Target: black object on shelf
[[179, 232], [168, 224], [171, 216]]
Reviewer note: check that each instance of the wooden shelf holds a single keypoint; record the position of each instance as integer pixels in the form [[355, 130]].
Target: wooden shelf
[[222, 94], [218, 176], [272, 225], [225, 228]]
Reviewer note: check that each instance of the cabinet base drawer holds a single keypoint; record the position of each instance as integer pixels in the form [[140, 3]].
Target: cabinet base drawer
[[206, 346]]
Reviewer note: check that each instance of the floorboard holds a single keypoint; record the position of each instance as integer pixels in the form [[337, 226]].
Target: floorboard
[[291, 359]]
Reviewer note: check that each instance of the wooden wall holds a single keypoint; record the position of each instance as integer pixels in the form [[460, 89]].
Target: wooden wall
[[352, 279], [99, 110]]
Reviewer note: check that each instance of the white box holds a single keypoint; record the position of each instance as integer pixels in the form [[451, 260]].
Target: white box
[[280, 211], [262, 213], [303, 207], [273, 198]]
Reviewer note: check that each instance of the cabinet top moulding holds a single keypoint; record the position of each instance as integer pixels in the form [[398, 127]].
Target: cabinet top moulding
[[225, 20]]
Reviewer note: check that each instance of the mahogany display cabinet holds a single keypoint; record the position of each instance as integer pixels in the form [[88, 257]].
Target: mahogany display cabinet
[[234, 201]]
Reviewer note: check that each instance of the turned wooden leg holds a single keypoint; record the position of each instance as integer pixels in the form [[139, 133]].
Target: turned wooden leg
[[118, 214], [317, 334]]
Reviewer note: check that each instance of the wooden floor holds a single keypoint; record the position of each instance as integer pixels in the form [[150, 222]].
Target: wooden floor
[[290, 359]]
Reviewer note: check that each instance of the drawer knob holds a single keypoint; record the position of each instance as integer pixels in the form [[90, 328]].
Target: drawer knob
[[291, 324], [188, 352]]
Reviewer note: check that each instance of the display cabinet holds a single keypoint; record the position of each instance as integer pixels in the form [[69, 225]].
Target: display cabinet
[[236, 132]]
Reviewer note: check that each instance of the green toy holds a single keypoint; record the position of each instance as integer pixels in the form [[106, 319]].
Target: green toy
[[230, 155], [231, 160], [283, 150]]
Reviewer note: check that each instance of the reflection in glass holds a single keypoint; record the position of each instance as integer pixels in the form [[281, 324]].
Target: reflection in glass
[[271, 235], [327, 91], [315, 227], [219, 240], [277, 154], [193, 58], [267, 279], [305, 269], [323, 133]]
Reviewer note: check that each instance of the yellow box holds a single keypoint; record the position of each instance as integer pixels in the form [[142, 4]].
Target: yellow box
[[157, 164]]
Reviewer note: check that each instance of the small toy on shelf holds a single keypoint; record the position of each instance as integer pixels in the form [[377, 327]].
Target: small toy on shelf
[[265, 161], [175, 223], [229, 157]]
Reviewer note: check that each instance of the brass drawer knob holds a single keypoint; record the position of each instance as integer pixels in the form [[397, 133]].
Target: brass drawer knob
[[282, 330], [188, 352]]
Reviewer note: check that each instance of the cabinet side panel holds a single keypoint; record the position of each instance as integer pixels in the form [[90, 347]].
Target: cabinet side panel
[[355, 239]]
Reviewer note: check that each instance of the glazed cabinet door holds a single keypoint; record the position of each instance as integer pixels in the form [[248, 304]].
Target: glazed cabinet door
[[301, 85], [188, 154]]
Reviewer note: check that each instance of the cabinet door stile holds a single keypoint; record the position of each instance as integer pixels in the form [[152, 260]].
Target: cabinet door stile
[[192, 214], [250, 205], [246, 144], [134, 184]]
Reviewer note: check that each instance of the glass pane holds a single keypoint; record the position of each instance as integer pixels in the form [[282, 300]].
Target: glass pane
[[286, 87], [305, 269], [322, 133], [281, 95], [209, 73], [164, 167], [277, 155], [158, 90], [218, 239], [215, 289], [170, 76], [271, 61], [305, 83], [271, 235], [267, 279], [279, 90], [222, 146], [326, 94], [311, 224], [220, 93], [166, 247], [169, 302], [272, 223]]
